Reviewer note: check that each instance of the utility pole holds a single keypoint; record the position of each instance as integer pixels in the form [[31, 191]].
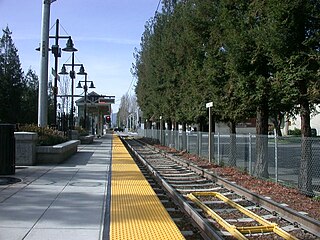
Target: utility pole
[[43, 82]]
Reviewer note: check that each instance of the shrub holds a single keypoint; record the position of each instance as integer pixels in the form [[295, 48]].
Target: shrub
[[46, 136], [82, 131], [295, 132]]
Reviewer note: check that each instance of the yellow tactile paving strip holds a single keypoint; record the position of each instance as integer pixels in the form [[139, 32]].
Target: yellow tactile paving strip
[[136, 211]]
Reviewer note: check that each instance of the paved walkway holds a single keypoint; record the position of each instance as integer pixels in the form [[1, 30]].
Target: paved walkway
[[65, 201]]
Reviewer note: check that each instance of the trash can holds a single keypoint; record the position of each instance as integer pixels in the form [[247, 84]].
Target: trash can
[[7, 149]]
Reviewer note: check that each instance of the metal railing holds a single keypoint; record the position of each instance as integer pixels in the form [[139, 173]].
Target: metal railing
[[289, 160]]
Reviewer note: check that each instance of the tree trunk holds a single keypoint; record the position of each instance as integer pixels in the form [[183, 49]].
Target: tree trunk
[[213, 124], [162, 125], [280, 119], [169, 123], [176, 126], [201, 124], [305, 175], [184, 127], [277, 120], [261, 166]]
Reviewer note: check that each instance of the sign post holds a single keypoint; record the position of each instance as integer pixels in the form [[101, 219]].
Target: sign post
[[210, 105]]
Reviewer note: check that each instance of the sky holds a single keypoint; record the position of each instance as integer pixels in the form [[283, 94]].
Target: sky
[[105, 32]]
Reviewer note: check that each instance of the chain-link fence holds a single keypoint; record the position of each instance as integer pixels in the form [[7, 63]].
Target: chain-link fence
[[288, 160]]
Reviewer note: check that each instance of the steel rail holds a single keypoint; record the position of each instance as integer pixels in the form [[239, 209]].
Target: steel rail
[[305, 222], [200, 222]]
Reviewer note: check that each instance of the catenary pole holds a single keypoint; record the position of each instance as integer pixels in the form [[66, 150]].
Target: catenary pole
[[43, 83], [44, 47]]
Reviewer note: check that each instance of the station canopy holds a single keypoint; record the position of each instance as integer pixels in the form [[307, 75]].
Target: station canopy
[[97, 103]]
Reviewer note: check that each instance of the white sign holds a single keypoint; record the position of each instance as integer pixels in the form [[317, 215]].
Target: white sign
[[209, 104]]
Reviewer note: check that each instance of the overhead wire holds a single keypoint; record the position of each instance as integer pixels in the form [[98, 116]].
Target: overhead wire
[[64, 29], [158, 6]]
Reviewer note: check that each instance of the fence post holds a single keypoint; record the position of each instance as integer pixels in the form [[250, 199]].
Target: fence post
[[250, 154], [246, 153], [276, 155], [199, 143], [187, 136], [177, 140], [184, 140], [218, 148]]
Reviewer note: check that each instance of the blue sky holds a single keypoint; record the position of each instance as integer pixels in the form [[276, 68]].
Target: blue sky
[[104, 31]]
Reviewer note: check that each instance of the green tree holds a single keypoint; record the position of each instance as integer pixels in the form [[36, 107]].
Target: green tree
[[247, 86], [11, 77], [251, 58], [124, 111], [291, 40], [143, 71], [29, 100]]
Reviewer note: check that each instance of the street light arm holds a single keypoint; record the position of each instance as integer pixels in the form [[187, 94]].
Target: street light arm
[[85, 84], [60, 37], [70, 64]]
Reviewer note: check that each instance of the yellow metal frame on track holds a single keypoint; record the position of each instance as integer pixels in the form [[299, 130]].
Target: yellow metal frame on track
[[238, 232]]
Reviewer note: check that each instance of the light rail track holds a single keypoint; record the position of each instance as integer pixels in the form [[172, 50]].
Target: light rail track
[[219, 208]]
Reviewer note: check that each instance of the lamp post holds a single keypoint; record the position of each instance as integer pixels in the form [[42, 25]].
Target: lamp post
[[85, 88], [56, 51], [72, 76]]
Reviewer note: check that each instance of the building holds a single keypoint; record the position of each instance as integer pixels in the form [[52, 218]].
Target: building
[[96, 108], [314, 122]]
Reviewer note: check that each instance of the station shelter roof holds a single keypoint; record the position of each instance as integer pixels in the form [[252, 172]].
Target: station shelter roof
[[97, 103]]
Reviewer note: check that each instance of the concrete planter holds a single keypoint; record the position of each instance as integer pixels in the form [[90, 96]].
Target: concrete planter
[[86, 139], [57, 153], [28, 153], [73, 135], [25, 148]]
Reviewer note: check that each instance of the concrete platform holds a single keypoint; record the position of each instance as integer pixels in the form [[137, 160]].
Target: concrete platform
[[62, 201]]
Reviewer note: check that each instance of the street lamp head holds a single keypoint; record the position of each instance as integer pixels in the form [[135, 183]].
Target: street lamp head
[[79, 85], [81, 71], [91, 85], [70, 46], [63, 70]]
